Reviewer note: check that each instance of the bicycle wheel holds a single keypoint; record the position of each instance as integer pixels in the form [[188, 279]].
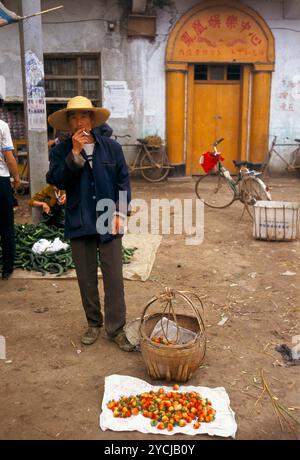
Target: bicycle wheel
[[155, 165], [214, 190], [253, 189], [296, 161]]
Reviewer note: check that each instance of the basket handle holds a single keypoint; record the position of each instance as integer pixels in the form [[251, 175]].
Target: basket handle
[[168, 292], [198, 298], [171, 292], [146, 308], [195, 310], [171, 311]]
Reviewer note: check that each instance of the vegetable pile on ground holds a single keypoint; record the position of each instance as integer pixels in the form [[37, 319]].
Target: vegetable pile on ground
[[166, 409], [127, 253], [162, 340], [54, 263]]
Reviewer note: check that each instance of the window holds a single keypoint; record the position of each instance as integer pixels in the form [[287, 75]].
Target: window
[[67, 76], [13, 114], [201, 72], [217, 72], [233, 72]]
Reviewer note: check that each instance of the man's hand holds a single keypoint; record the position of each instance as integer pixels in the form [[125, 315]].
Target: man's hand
[[62, 200], [46, 208], [12, 167], [79, 139], [16, 184], [51, 142], [117, 225]]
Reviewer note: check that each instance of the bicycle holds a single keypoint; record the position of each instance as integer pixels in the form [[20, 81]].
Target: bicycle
[[151, 161], [219, 190], [292, 165]]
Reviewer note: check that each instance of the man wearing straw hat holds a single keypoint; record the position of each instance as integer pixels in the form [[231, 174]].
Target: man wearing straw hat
[[91, 168]]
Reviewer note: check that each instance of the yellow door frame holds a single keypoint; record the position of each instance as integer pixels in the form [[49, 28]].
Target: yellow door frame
[[244, 115], [198, 37]]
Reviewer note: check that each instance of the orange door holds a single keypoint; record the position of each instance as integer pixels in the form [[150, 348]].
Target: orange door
[[216, 114]]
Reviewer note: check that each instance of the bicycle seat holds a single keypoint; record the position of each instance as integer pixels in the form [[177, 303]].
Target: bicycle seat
[[297, 140], [142, 141], [248, 164]]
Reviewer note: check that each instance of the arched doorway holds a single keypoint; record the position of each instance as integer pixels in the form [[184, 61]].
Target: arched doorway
[[219, 61]]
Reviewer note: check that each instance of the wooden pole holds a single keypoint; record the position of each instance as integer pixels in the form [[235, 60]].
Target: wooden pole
[[42, 12]]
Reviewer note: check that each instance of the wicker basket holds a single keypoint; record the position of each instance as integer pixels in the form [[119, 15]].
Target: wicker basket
[[154, 141], [173, 362]]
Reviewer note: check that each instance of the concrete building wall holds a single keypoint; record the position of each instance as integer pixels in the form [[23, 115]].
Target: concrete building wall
[[10, 60], [140, 62]]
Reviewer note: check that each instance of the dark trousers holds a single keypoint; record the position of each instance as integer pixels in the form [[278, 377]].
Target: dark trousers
[[84, 252], [7, 231]]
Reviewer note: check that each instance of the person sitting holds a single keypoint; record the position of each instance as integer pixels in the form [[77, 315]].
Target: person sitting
[[52, 201], [60, 136]]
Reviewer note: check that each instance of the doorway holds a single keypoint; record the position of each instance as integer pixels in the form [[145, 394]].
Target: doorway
[[216, 112]]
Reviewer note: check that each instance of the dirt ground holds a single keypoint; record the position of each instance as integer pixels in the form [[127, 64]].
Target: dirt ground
[[48, 391]]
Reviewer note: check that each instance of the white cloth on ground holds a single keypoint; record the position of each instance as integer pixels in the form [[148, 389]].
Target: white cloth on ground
[[121, 385], [47, 246]]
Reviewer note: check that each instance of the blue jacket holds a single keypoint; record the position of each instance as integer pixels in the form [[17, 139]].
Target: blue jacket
[[85, 186]]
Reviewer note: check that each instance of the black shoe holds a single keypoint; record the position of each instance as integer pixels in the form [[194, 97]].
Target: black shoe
[[6, 275], [122, 341], [90, 336]]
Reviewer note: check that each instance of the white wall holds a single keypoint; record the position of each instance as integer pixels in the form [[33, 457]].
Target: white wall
[[285, 101], [10, 62]]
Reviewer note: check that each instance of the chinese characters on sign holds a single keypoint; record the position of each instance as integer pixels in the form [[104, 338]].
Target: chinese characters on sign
[[289, 94], [213, 53], [198, 27], [230, 34], [117, 98], [231, 21], [36, 111], [215, 21]]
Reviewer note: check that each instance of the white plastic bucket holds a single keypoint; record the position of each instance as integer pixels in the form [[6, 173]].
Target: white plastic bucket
[[276, 220]]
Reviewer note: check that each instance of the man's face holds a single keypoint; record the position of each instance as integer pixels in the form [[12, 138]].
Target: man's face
[[80, 120]]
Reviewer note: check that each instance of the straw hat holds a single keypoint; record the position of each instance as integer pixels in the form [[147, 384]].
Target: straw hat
[[58, 119]]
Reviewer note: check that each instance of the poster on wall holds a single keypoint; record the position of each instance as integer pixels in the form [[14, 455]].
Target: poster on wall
[[36, 104], [36, 108], [117, 98]]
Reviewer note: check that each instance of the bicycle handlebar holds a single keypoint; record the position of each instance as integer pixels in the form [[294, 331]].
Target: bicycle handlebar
[[121, 136], [218, 142]]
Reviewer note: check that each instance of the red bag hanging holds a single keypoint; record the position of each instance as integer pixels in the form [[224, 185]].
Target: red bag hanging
[[208, 161]]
